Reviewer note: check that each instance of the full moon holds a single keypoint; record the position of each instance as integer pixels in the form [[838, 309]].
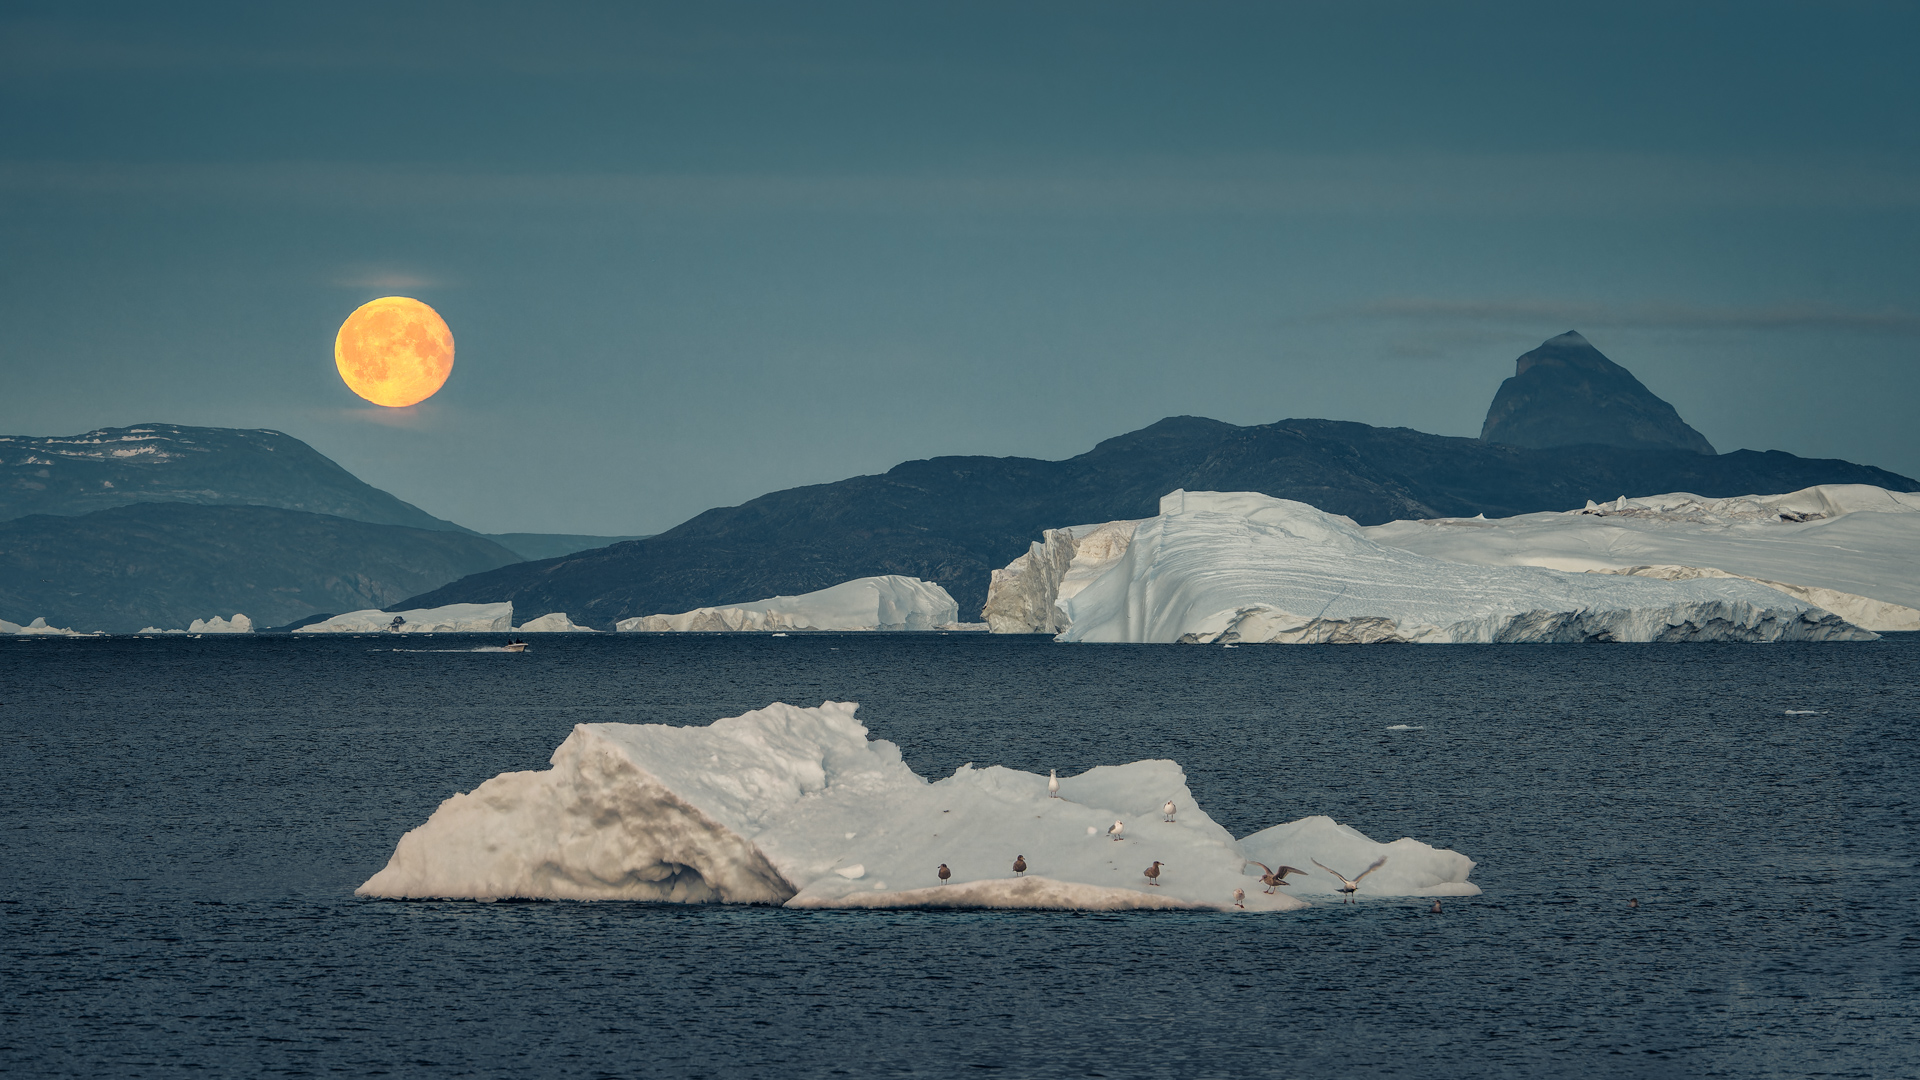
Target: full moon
[[394, 351]]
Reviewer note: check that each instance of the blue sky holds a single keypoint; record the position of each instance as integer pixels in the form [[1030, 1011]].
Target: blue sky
[[691, 254]]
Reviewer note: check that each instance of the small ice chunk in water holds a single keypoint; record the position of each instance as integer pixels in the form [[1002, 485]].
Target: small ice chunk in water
[[1406, 727]]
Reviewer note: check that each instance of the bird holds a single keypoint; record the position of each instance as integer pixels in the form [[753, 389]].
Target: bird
[[1116, 829], [1019, 864], [1273, 878], [1168, 809], [1053, 783], [1240, 898], [1435, 909], [944, 873], [1153, 873], [1349, 886], [1635, 902]]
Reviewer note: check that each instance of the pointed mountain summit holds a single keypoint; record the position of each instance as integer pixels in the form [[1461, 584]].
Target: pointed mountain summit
[[1566, 393]]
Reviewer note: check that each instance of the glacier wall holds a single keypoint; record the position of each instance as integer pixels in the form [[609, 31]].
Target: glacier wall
[[797, 806], [887, 602], [1241, 566], [1025, 597]]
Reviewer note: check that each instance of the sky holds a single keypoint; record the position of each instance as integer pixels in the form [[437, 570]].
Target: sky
[[694, 253]]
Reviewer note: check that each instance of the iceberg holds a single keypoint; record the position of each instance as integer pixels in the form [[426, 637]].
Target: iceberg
[[554, 622], [798, 806], [451, 619], [37, 628], [890, 602], [1849, 548], [239, 624], [1228, 567], [1025, 596]]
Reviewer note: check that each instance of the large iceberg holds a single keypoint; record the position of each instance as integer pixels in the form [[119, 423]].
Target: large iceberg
[[451, 619], [1025, 596], [1241, 566], [38, 628], [799, 807], [553, 622], [239, 624], [890, 602], [1853, 549]]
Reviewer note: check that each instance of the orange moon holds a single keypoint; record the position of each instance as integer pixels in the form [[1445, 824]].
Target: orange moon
[[394, 351]]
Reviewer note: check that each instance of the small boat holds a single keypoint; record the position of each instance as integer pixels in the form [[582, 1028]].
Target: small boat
[[516, 645]]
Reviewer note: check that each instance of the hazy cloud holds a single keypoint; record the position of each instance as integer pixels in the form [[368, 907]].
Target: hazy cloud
[[1789, 315]]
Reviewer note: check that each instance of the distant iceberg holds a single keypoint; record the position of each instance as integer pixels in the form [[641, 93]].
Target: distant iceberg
[[890, 602], [554, 622], [38, 628], [451, 619], [1853, 549], [797, 806], [1025, 596], [1229, 567], [239, 624]]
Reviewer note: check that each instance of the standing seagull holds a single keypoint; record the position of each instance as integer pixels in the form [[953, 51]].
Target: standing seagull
[[1349, 886], [1053, 784], [1274, 878], [1153, 873], [1168, 809], [1019, 864], [944, 873], [1116, 829], [1240, 898]]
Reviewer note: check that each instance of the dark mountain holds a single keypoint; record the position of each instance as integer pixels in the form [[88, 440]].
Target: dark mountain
[[1566, 393], [549, 545], [165, 564], [953, 519], [78, 474]]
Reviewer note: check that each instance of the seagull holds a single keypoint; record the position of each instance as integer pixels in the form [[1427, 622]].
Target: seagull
[[1275, 877], [1153, 873], [1116, 829], [1019, 864], [1435, 909], [1168, 809], [944, 873], [1053, 783], [1635, 902], [1351, 885], [1240, 898]]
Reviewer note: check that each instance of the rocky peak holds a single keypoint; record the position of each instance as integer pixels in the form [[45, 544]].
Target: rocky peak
[[1566, 392]]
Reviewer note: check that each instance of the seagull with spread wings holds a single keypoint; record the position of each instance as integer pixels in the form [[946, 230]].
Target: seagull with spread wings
[[1274, 877], [1348, 885]]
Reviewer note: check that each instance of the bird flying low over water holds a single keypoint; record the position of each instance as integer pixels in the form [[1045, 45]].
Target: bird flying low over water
[[944, 873], [1273, 877], [1348, 885], [1053, 784], [1153, 873], [1019, 864], [1116, 829]]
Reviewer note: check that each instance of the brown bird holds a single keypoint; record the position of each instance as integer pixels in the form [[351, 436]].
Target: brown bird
[[1019, 864], [1153, 874], [1635, 902], [1348, 885], [944, 873], [1240, 898], [1435, 909], [1273, 878]]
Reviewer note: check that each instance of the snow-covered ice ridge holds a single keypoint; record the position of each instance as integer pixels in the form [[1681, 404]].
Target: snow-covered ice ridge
[[889, 602], [1853, 549], [797, 806], [1241, 566], [451, 619], [38, 628]]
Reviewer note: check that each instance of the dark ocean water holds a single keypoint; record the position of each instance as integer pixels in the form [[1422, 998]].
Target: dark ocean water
[[185, 822]]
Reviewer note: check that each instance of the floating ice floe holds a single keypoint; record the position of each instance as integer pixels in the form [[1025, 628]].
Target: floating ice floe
[[1241, 566], [889, 602], [451, 619], [239, 624], [555, 622], [1852, 549], [797, 806]]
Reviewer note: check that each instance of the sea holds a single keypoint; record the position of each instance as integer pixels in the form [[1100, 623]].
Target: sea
[[183, 823]]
